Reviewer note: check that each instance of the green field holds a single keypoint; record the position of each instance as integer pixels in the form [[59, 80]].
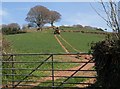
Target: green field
[[80, 41], [36, 42], [44, 42]]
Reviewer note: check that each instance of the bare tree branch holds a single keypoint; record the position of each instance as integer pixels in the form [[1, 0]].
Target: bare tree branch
[[107, 14], [100, 15], [111, 10]]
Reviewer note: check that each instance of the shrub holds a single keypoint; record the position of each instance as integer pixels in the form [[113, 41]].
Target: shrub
[[12, 28], [12, 31], [107, 63]]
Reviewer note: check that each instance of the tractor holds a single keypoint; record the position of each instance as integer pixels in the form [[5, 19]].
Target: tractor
[[57, 31]]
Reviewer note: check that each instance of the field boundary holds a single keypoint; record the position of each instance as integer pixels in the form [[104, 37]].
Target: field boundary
[[85, 65]]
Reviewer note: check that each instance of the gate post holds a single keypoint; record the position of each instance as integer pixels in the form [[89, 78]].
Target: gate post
[[12, 71], [52, 72]]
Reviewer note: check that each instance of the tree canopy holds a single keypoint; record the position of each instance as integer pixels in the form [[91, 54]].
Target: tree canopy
[[41, 15], [54, 17], [11, 28]]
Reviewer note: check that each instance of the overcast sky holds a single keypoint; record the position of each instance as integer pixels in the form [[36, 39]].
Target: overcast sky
[[72, 12]]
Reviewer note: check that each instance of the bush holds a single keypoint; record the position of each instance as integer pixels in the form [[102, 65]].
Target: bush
[[9, 31], [12, 31], [12, 28], [107, 63]]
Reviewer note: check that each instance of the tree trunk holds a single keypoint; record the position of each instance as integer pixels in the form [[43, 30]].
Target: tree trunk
[[39, 27], [52, 24]]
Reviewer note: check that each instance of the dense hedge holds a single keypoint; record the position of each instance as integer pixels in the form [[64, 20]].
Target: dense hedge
[[8, 31], [107, 63]]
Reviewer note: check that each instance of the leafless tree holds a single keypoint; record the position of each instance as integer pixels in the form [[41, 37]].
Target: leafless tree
[[112, 19], [54, 17], [38, 15]]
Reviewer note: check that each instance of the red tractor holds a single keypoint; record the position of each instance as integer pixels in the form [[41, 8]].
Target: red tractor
[[57, 31]]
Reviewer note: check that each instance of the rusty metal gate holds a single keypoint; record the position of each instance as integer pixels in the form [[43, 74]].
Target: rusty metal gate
[[39, 71]]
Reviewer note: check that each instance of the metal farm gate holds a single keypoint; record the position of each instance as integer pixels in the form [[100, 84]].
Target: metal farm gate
[[51, 71]]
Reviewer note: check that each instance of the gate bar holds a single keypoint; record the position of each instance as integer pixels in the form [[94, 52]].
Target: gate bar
[[33, 71], [12, 71], [74, 73]]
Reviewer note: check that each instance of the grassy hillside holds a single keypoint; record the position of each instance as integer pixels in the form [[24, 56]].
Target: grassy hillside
[[35, 42], [81, 42], [44, 42]]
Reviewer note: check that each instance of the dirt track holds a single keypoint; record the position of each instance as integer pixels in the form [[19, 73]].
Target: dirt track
[[61, 44], [69, 73]]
